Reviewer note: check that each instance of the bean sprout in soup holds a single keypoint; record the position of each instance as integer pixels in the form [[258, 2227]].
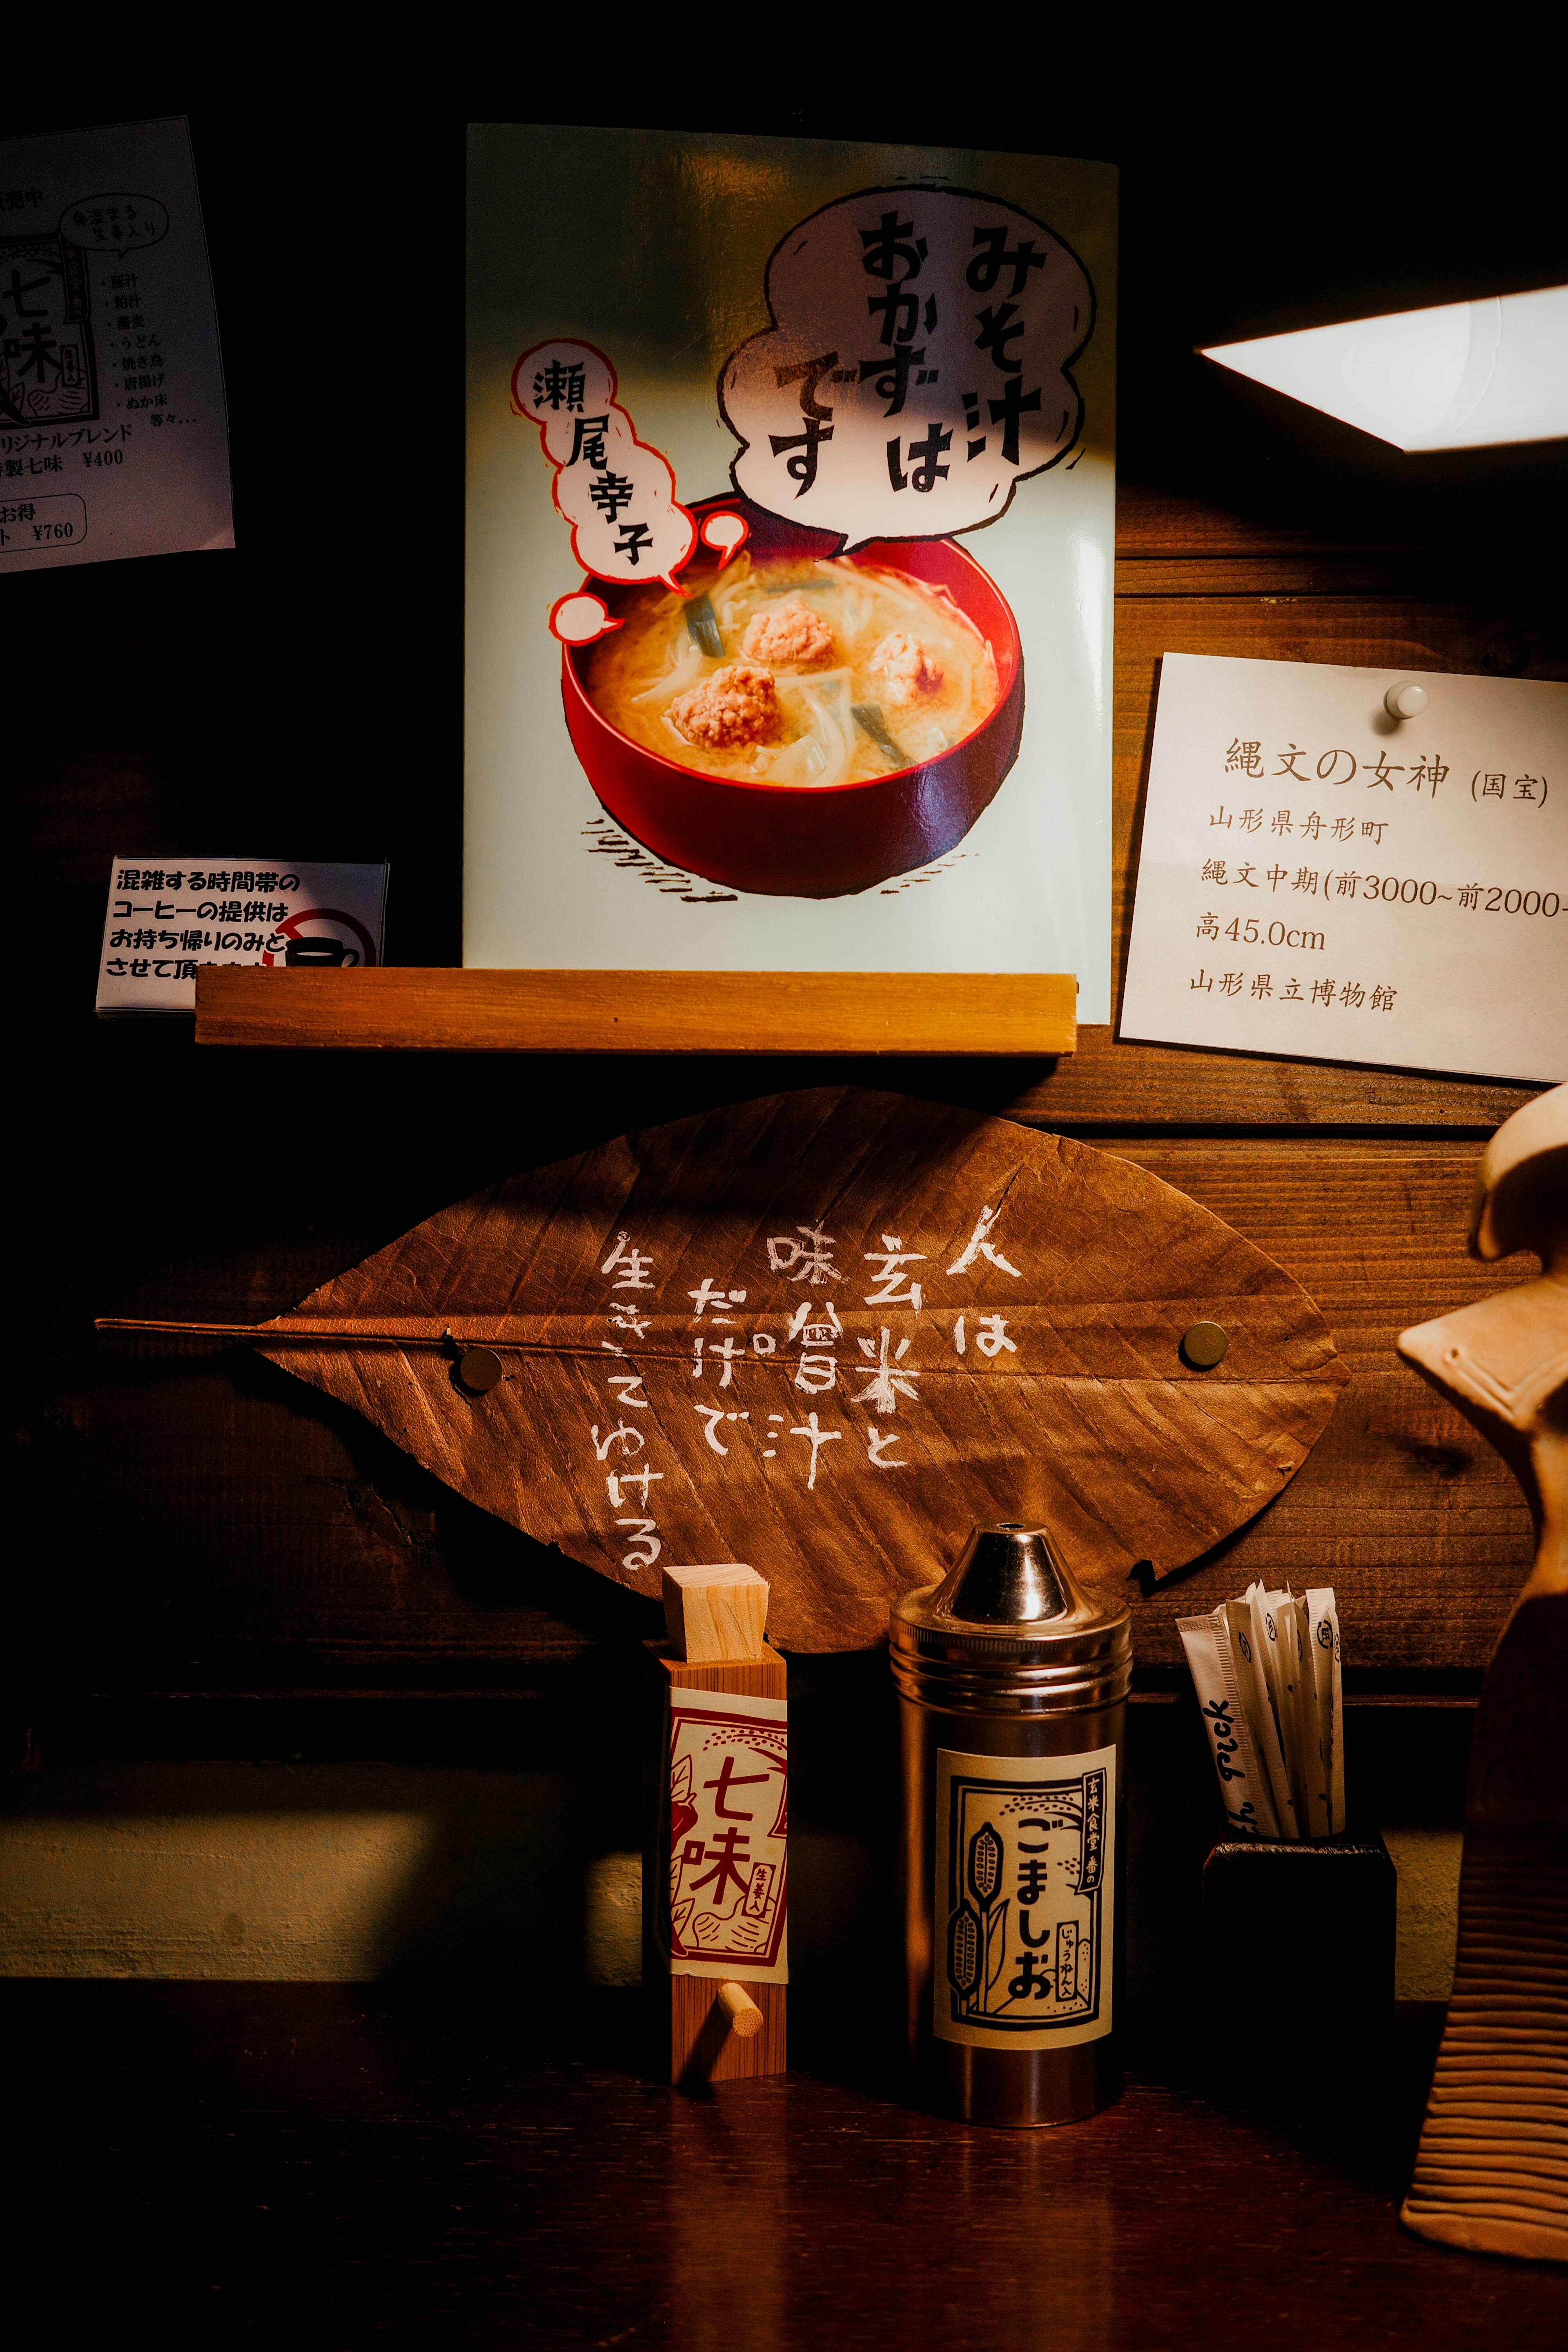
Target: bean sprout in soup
[[795, 673]]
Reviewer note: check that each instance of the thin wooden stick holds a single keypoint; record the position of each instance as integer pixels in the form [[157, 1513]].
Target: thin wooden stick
[[392, 1332], [269, 1333], [741, 2010]]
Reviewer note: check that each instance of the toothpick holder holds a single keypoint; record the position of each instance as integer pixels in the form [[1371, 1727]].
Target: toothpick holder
[[1297, 1960]]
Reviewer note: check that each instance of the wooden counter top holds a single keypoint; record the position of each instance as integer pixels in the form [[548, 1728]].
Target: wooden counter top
[[323, 2166]]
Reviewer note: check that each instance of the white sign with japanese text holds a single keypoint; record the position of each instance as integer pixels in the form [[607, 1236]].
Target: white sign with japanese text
[[1025, 1896], [169, 915], [1319, 879], [728, 1822], [113, 431]]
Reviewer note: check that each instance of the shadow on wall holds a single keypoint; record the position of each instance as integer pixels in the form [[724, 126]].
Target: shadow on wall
[[357, 1872], [313, 1871], [530, 1874]]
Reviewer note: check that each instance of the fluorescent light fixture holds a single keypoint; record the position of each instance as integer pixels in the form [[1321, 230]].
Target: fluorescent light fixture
[[1468, 375]]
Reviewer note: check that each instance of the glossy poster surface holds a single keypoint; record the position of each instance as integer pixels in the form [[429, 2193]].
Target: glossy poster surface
[[790, 516]]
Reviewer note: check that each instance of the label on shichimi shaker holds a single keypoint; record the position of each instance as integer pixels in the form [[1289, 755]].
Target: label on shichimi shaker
[[1024, 1848]]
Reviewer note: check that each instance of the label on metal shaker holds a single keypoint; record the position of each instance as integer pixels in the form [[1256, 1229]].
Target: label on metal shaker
[[1025, 1889]]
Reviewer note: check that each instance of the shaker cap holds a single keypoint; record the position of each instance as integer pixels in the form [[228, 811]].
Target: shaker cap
[[1010, 1606], [1006, 1575]]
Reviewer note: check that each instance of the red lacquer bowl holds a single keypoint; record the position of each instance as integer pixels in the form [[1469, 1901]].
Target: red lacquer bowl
[[798, 841]]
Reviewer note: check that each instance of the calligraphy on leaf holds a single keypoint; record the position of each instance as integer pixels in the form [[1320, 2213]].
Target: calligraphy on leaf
[[824, 1333]]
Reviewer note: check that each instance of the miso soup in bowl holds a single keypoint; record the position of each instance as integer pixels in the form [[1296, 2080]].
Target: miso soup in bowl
[[800, 722]]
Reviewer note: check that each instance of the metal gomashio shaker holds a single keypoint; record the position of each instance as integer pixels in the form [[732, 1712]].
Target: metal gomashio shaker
[[1013, 1687]]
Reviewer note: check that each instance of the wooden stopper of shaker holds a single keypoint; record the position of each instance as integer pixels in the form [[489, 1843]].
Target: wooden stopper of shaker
[[741, 2010], [716, 1615]]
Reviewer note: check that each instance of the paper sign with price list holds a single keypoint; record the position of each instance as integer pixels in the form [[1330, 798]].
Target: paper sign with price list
[[114, 435], [1318, 878]]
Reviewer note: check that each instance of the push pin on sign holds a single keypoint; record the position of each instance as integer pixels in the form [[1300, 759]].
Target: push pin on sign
[[1405, 701]]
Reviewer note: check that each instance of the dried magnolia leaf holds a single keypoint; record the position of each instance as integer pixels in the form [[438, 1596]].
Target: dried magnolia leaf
[[824, 1333]]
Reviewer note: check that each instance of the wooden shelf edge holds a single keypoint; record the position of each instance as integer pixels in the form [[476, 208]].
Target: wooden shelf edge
[[1069, 1075], [400, 1009]]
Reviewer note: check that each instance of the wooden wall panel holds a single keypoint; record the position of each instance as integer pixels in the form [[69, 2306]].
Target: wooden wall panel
[[1107, 1085], [198, 1522], [211, 1524], [1401, 1506]]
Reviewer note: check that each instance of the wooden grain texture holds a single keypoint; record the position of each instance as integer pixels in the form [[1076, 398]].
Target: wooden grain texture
[[1159, 521], [1108, 1084], [1009, 1306], [1305, 569], [392, 1008], [343, 1563], [1401, 1506], [288, 2164], [714, 1615], [1492, 2172], [703, 2044], [764, 1677]]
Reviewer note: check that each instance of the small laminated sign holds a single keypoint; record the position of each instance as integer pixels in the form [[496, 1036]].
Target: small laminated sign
[[166, 916], [1025, 1899]]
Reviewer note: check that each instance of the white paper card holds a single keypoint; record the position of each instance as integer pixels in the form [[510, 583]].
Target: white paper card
[[113, 435], [168, 915], [1318, 879]]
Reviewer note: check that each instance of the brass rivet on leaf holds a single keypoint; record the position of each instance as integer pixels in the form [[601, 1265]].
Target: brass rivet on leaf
[[480, 1369], [1204, 1344]]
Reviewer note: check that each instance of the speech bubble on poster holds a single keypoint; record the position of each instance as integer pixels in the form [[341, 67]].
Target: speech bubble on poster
[[726, 533], [917, 369], [578, 619], [117, 223], [616, 492]]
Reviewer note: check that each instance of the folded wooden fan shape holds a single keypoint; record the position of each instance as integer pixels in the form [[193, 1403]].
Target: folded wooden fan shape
[[824, 1333]]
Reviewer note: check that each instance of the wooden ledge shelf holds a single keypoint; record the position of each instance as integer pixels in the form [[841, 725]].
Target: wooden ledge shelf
[[1083, 1076], [399, 1010]]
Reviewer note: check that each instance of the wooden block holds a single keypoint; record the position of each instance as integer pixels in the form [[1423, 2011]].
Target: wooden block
[[711, 2037], [401, 1008], [713, 1613]]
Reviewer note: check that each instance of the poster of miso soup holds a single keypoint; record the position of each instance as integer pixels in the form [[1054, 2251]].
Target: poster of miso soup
[[790, 513]]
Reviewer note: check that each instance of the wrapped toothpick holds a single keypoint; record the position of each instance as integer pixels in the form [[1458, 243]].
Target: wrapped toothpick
[[1267, 1675]]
